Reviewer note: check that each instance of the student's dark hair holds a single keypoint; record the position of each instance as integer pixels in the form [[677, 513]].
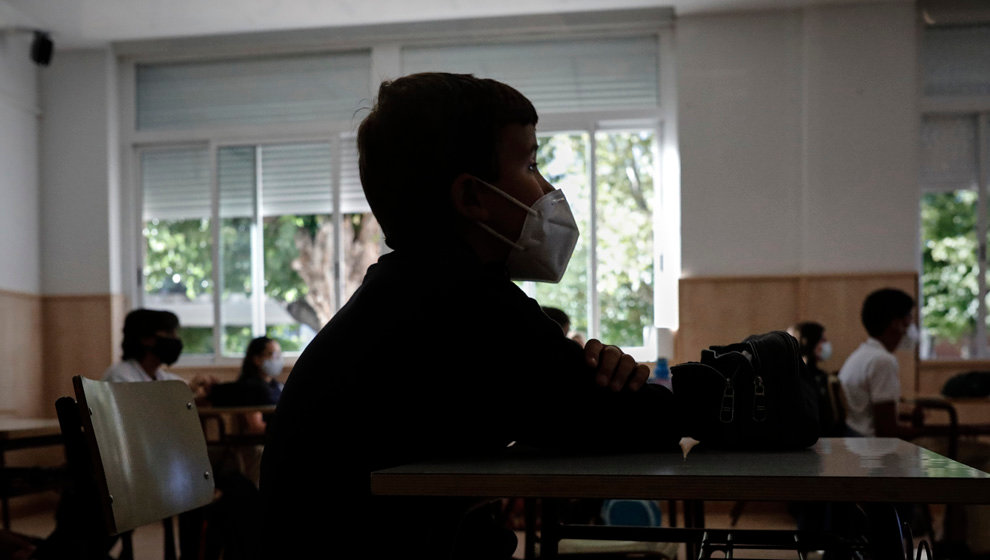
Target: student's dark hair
[[883, 306], [423, 131], [558, 316], [142, 323], [809, 334], [250, 370]]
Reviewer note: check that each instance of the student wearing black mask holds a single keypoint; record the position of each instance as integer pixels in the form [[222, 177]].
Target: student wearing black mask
[[151, 340]]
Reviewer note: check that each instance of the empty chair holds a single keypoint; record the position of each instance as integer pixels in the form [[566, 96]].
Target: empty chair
[[137, 453]]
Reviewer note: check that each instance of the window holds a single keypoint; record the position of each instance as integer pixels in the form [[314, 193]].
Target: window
[[608, 289], [276, 235], [608, 167], [250, 238], [254, 222], [955, 161]]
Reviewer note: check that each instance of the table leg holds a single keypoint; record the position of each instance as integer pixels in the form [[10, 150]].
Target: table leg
[[4, 505], [529, 514], [885, 533], [694, 518], [549, 529]]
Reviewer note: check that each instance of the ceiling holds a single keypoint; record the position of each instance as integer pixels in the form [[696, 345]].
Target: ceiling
[[93, 23]]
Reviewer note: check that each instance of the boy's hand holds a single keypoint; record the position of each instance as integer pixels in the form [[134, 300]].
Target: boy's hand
[[614, 368]]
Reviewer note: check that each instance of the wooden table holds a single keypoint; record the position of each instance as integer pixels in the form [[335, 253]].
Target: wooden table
[[23, 433], [861, 470]]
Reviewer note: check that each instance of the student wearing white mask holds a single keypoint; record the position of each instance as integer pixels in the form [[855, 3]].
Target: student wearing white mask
[[259, 382], [439, 353], [815, 348], [870, 377]]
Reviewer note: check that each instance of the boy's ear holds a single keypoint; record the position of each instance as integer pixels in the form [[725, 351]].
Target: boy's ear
[[464, 196]]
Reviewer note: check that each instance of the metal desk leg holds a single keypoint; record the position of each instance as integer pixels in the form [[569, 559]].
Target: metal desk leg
[[549, 529], [4, 504], [694, 518], [529, 513], [885, 536]]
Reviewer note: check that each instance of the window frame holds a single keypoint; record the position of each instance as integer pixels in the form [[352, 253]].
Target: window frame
[[385, 50], [935, 104]]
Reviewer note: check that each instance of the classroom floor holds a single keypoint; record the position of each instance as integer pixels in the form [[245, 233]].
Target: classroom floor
[[148, 540]]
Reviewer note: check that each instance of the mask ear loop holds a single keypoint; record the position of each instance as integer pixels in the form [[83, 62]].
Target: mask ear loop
[[511, 199]]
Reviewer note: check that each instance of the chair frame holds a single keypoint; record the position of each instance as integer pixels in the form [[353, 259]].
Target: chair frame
[[90, 476]]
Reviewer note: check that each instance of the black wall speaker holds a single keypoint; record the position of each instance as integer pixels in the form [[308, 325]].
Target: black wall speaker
[[41, 48]]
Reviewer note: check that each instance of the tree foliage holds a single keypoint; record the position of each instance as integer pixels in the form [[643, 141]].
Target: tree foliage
[[949, 278], [625, 191]]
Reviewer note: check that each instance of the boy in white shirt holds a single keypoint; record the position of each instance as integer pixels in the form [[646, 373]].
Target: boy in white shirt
[[870, 376]]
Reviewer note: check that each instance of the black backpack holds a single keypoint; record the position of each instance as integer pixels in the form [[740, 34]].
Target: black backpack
[[755, 394]]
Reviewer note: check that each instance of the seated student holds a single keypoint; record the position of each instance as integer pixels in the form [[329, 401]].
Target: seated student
[[448, 165], [870, 378], [257, 384], [151, 340], [815, 348]]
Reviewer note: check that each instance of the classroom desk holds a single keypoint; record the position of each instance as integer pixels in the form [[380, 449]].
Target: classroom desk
[[861, 470], [23, 433]]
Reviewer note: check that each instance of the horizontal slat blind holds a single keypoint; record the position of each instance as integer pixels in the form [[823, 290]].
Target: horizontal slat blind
[[264, 90], [237, 181], [949, 153], [176, 183], [296, 179], [569, 75], [956, 61], [352, 199]]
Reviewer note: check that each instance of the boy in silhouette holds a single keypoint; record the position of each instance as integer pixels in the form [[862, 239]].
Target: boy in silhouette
[[448, 165]]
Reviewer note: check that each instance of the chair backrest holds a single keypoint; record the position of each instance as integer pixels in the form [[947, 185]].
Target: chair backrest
[[837, 397], [146, 450]]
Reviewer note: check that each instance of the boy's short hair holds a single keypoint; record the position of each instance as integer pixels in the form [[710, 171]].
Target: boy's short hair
[[142, 323], [883, 306], [423, 131]]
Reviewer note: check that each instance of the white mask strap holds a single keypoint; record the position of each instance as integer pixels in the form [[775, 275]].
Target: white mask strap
[[507, 196], [500, 236]]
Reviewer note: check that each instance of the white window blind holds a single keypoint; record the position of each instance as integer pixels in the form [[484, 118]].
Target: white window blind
[[327, 86], [176, 183], [296, 179], [237, 181], [352, 199], [293, 179], [956, 61], [949, 153], [568, 75]]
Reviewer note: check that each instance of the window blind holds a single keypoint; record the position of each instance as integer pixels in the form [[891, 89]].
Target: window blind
[[352, 199], [296, 179], [956, 61], [236, 169], [176, 183], [566, 75], [266, 90], [949, 153]]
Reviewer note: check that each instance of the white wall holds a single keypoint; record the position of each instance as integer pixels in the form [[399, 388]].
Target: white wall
[[79, 176], [20, 232], [797, 141], [798, 132]]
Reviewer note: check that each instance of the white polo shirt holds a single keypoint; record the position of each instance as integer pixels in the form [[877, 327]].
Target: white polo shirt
[[131, 371], [869, 376]]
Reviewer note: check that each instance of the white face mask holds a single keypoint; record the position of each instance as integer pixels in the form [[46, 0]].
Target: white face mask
[[272, 367], [826, 352], [910, 338], [546, 241]]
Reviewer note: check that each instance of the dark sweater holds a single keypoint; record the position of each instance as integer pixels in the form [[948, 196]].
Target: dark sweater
[[433, 355]]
